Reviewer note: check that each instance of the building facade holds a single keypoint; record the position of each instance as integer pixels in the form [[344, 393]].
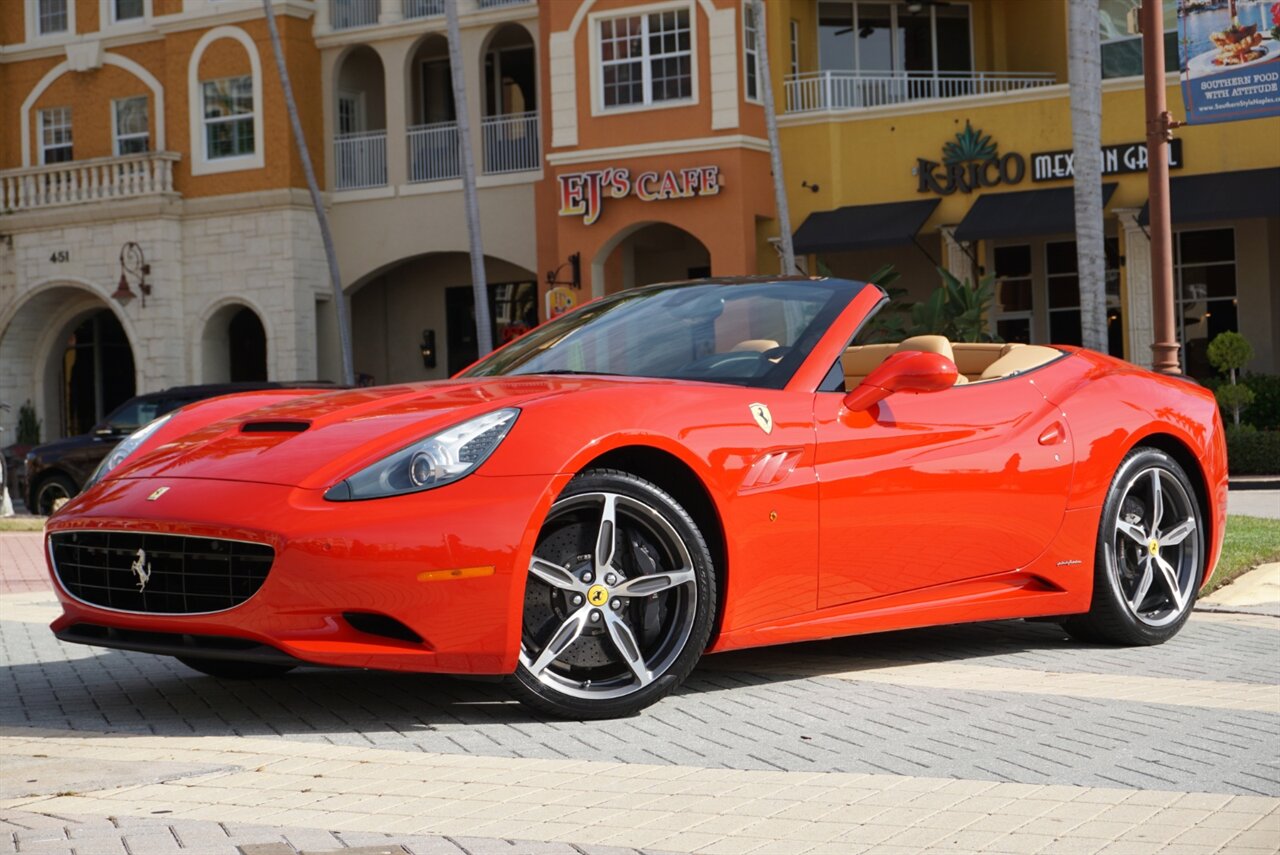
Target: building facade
[[617, 143]]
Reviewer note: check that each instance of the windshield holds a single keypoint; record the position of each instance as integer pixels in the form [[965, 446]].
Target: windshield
[[137, 412], [749, 334]]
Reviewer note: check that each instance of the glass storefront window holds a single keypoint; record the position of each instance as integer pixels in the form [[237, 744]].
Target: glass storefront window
[[1204, 263], [1063, 285], [1122, 43], [1013, 293]]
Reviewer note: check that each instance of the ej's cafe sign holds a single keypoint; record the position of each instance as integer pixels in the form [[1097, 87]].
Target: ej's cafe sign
[[582, 194]]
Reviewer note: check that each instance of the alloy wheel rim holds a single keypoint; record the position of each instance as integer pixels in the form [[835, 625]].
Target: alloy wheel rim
[[1154, 552], [633, 598]]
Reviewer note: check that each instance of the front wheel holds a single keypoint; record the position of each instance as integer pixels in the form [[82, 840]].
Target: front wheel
[[619, 601], [51, 494], [1150, 556]]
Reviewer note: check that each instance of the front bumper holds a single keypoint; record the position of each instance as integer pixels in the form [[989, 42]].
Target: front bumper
[[448, 564]]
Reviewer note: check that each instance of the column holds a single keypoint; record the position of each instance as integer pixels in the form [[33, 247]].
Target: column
[[958, 262], [1137, 267]]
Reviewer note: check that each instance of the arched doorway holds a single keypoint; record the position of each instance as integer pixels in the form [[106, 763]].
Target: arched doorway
[[360, 143], [68, 353], [510, 124], [433, 121], [415, 319], [234, 346], [649, 253], [97, 370]]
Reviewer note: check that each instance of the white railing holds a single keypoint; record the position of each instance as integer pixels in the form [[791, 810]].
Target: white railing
[[345, 14], [423, 8], [81, 181], [510, 143], [496, 4], [850, 90], [360, 160], [434, 153]]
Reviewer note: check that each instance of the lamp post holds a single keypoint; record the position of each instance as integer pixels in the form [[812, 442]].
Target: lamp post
[[1164, 348], [132, 261]]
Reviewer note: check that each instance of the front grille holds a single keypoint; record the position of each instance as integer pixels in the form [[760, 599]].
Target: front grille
[[184, 575]]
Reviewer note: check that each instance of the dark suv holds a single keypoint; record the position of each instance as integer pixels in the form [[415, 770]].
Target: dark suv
[[57, 470]]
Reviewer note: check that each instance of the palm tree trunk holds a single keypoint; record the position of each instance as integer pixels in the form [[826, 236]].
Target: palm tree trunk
[[484, 327], [765, 82], [326, 236], [1084, 70]]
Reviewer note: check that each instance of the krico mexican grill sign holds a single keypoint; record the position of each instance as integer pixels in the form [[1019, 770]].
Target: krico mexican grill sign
[[582, 194]]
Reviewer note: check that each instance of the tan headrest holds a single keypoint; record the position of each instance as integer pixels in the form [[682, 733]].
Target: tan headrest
[[928, 344], [861, 360], [973, 357], [1020, 358], [759, 345]]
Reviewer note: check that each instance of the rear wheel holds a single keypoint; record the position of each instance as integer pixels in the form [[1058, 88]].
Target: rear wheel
[[232, 670], [619, 600], [1150, 555]]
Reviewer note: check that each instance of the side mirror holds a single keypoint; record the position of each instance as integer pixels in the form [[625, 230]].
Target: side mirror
[[912, 371]]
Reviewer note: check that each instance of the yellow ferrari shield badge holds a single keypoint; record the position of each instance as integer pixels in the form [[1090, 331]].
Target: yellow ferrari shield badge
[[598, 595], [763, 417]]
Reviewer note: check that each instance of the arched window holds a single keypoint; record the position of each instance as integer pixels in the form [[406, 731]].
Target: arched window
[[225, 110]]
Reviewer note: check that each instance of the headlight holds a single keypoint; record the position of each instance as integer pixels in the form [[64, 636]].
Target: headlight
[[439, 459], [122, 451]]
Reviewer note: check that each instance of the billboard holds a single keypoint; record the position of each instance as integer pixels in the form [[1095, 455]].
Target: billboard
[[1229, 59]]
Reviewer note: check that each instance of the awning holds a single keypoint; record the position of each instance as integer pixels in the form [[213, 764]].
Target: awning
[[863, 226], [1024, 214], [1222, 196]]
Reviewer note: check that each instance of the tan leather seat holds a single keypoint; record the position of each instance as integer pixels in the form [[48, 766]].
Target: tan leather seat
[[860, 360], [932, 344], [759, 345], [972, 358], [1020, 359]]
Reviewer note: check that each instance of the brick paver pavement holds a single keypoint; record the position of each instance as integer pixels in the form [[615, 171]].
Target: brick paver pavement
[[1001, 737]]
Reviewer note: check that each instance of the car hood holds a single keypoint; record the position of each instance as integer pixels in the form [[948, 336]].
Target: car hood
[[314, 441]]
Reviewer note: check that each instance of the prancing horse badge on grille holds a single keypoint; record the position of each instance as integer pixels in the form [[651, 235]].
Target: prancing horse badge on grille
[[142, 569], [157, 494]]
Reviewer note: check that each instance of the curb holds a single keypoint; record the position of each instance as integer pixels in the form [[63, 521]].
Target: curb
[[1254, 482]]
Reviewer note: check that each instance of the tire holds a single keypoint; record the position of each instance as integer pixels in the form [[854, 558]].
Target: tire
[[51, 493], [1150, 557], [230, 669], [619, 602]]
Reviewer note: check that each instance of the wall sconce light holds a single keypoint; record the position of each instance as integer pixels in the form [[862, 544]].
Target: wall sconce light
[[575, 272], [428, 348], [132, 261]]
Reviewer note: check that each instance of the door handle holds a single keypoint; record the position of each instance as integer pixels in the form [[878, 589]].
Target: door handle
[[1052, 435]]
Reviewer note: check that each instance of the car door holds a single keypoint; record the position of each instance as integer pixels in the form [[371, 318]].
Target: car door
[[928, 489]]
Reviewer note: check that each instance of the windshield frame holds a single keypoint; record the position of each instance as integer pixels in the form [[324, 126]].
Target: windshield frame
[[843, 293]]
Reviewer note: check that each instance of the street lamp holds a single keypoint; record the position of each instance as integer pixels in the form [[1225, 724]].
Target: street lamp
[[132, 261]]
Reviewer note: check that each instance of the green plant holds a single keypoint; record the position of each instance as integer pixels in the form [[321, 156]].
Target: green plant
[[28, 425], [956, 309], [1253, 452], [1264, 412], [1228, 352]]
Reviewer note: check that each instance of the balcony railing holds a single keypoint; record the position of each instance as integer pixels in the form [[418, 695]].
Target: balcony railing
[[81, 181], [849, 90], [346, 14], [423, 8], [510, 143], [434, 153], [496, 4], [360, 160]]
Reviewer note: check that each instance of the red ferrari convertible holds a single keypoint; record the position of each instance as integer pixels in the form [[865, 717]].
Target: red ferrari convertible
[[670, 471]]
